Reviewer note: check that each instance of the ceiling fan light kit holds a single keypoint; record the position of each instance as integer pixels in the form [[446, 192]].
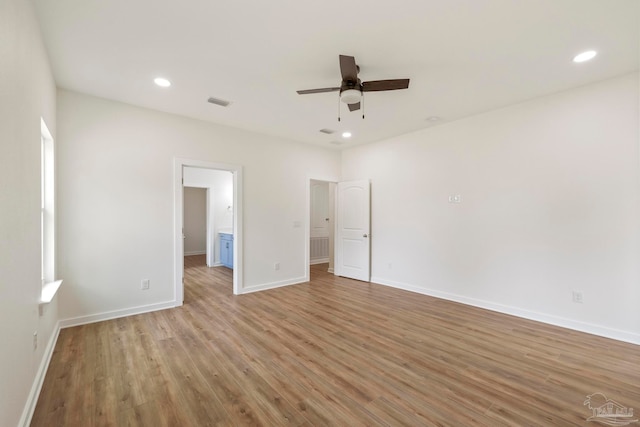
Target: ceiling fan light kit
[[352, 89], [350, 96]]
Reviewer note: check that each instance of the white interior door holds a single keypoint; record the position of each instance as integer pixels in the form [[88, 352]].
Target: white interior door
[[353, 248], [319, 209]]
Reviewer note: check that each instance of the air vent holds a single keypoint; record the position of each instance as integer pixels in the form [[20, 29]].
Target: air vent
[[336, 142], [327, 131], [220, 102]]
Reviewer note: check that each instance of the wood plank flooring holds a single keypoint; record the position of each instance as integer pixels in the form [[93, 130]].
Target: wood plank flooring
[[329, 352]]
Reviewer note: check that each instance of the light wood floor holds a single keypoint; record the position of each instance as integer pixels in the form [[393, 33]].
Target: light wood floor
[[330, 352]]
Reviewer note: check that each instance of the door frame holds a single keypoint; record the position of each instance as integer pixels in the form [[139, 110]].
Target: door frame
[[178, 204]]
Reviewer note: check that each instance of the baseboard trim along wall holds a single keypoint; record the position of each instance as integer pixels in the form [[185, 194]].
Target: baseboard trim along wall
[[32, 399], [319, 261], [588, 328], [274, 285], [195, 253], [109, 315]]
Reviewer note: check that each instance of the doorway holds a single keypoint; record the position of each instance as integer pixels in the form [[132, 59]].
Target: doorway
[[321, 223], [320, 232], [224, 215]]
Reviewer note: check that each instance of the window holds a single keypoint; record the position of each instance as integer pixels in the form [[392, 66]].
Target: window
[[47, 215]]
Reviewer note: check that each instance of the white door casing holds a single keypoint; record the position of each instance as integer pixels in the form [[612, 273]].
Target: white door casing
[[178, 203], [353, 242]]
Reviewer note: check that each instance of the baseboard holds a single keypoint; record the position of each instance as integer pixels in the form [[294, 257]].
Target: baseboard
[[589, 328], [319, 261], [273, 285], [330, 270], [34, 393], [195, 253], [109, 315]]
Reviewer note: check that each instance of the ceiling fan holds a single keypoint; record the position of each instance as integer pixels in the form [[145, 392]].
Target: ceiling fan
[[351, 88]]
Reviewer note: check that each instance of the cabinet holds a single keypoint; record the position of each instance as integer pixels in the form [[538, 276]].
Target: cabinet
[[226, 249]]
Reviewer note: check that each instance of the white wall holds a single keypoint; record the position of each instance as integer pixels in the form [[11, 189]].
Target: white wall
[[550, 205], [195, 221], [27, 93], [116, 207]]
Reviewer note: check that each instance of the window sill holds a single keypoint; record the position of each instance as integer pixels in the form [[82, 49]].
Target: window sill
[[49, 290]]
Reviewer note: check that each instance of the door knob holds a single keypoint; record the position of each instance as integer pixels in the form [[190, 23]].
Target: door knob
[[365, 235]]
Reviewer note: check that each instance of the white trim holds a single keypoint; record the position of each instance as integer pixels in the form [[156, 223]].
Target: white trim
[[190, 253], [273, 285], [36, 388], [178, 244], [48, 205], [34, 393], [49, 290], [210, 227], [330, 270], [589, 328], [319, 261], [115, 314]]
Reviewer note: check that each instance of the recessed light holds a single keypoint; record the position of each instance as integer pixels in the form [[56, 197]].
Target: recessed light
[[162, 82], [346, 134], [585, 56]]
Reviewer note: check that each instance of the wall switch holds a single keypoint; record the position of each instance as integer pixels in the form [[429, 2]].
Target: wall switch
[[35, 341], [577, 297], [276, 266], [144, 285]]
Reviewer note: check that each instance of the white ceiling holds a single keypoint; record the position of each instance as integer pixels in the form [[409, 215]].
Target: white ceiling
[[463, 57]]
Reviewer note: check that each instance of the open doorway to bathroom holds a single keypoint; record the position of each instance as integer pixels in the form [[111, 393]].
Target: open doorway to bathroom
[[208, 226]]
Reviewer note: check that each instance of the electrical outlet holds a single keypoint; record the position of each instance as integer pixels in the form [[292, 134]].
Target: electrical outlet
[[276, 266], [577, 297], [144, 285], [35, 341], [456, 198]]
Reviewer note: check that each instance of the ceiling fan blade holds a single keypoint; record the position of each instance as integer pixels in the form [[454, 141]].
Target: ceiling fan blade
[[378, 85], [348, 69], [354, 107], [326, 89]]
